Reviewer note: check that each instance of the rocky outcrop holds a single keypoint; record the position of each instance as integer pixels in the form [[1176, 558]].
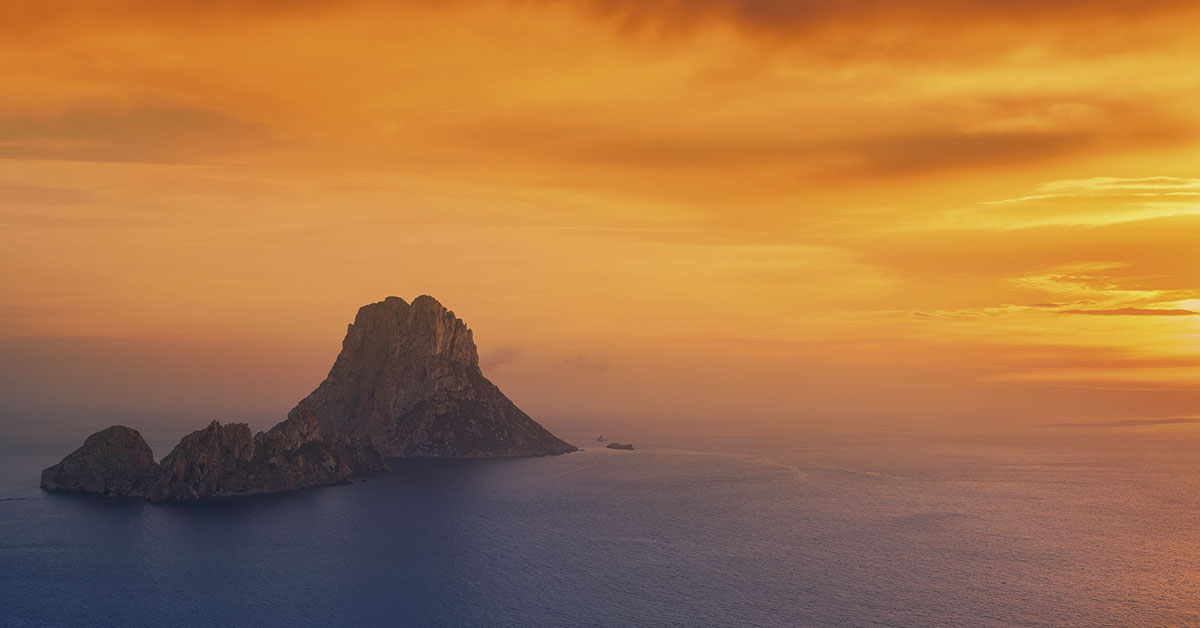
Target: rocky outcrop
[[407, 383], [217, 461], [408, 378], [619, 446], [113, 461], [222, 460], [208, 462]]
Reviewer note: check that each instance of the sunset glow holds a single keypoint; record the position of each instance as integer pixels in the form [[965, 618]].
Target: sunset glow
[[850, 211]]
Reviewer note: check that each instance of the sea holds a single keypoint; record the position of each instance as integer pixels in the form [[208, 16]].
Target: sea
[[1047, 527]]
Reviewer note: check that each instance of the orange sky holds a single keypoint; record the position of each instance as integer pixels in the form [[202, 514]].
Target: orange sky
[[665, 210]]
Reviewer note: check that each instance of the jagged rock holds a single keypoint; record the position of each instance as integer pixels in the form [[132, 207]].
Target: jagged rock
[[294, 453], [114, 461], [619, 446], [208, 462], [217, 461], [408, 378], [223, 460], [407, 383]]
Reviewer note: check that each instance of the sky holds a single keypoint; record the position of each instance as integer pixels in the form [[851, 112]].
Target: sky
[[732, 213]]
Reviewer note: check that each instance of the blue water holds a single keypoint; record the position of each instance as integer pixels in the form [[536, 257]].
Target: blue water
[[1074, 528]]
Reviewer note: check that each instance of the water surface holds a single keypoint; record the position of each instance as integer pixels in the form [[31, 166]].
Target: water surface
[[1090, 528]]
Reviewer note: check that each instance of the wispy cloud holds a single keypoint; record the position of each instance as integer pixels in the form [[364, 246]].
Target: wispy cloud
[[1127, 423], [584, 363], [1181, 192], [152, 132], [1096, 283], [1134, 311], [500, 356], [1093, 202]]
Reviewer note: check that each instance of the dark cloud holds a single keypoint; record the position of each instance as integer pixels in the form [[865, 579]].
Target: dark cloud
[[940, 151], [897, 155], [939, 138], [904, 26], [790, 14], [921, 29]]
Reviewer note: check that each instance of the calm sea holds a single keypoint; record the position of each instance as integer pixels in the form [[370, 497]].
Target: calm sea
[[1057, 528]]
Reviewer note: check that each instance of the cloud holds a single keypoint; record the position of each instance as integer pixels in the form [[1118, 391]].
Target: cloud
[[795, 14], [1053, 307], [1170, 189], [584, 363], [1134, 311], [1108, 184], [759, 15], [1127, 423], [1106, 289], [970, 313], [865, 28], [220, 82], [947, 151], [1085, 281], [500, 356], [1061, 305], [145, 133], [835, 151], [1091, 202]]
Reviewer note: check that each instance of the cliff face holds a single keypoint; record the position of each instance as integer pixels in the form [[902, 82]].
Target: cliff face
[[114, 461], [408, 378], [407, 383], [206, 462], [222, 460]]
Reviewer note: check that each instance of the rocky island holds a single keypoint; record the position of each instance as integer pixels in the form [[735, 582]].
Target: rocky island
[[408, 378], [407, 383]]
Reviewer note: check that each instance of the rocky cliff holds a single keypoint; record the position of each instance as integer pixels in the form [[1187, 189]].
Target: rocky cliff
[[222, 460], [406, 383], [408, 378]]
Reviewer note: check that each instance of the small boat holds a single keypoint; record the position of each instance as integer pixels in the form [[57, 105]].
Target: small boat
[[600, 438]]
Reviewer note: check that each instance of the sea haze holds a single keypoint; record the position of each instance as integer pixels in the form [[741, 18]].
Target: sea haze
[[1056, 528]]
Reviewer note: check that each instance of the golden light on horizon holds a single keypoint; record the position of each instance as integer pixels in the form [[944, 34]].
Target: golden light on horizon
[[975, 213]]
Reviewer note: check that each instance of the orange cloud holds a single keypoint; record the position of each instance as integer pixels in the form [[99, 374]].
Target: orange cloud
[[1133, 311], [141, 134]]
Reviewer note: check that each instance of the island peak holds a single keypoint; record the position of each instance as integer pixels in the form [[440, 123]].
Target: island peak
[[408, 377]]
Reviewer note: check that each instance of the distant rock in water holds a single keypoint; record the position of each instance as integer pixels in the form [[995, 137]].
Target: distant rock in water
[[115, 461], [408, 378], [407, 383], [619, 446]]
